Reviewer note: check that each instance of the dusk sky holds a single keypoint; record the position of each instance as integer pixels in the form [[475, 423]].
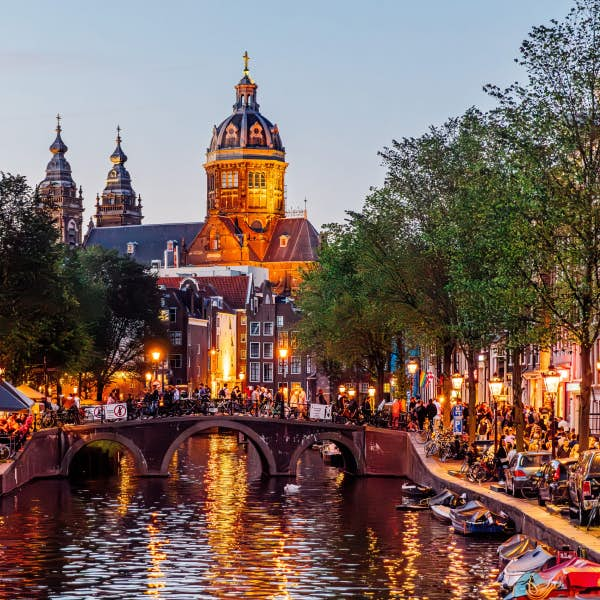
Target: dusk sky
[[341, 79]]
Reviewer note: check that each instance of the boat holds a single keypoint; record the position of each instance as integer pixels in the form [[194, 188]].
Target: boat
[[474, 519], [573, 578], [331, 455], [514, 547], [410, 505], [447, 498], [415, 490], [441, 512], [532, 560]]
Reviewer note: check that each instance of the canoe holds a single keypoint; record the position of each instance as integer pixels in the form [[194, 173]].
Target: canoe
[[411, 506], [441, 512], [515, 546], [533, 560]]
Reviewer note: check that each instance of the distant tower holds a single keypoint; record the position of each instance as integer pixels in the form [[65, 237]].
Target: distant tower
[[245, 162], [59, 191], [118, 204]]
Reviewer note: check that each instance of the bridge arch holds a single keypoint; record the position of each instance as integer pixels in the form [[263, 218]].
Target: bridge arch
[[141, 466], [350, 451], [264, 452]]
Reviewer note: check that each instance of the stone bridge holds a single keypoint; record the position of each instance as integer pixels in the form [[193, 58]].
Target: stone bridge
[[152, 443]]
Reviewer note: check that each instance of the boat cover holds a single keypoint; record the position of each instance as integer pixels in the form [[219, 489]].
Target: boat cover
[[533, 560], [516, 546]]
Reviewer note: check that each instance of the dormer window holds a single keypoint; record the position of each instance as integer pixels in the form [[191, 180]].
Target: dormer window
[[231, 135], [256, 135], [131, 248], [283, 240]]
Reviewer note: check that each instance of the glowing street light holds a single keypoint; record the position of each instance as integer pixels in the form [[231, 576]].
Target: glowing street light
[[495, 384], [551, 382]]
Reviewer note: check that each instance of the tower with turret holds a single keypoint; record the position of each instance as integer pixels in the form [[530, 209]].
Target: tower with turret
[[59, 192]]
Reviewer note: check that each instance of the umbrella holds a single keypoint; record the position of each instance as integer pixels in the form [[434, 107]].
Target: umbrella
[[10, 398], [30, 392]]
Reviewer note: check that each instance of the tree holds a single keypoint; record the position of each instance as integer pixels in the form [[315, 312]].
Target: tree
[[552, 124], [37, 322], [120, 304]]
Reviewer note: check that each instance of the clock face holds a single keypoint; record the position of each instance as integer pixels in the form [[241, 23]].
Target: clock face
[[113, 173]]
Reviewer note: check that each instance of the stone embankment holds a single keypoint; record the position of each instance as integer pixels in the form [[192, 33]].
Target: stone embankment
[[530, 519]]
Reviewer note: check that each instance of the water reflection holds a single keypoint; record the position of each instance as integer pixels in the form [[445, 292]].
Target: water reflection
[[216, 530]]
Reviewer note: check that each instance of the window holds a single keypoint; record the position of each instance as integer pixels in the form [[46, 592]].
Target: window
[[172, 314], [293, 339], [283, 240], [267, 371], [268, 350], [268, 328], [131, 247], [309, 364], [254, 328], [279, 320], [164, 315], [282, 339], [243, 354], [243, 320], [256, 180], [254, 349], [229, 179], [242, 338], [254, 371], [176, 338], [175, 361], [295, 365]]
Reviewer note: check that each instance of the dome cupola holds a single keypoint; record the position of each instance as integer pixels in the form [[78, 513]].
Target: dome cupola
[[246, 128]]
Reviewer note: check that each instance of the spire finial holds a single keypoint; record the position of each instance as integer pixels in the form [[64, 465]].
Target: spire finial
[[246, 59], [58, 118], [305, 211], [118, 134]]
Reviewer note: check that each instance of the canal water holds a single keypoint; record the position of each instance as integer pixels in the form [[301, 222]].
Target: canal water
[[215, 529]]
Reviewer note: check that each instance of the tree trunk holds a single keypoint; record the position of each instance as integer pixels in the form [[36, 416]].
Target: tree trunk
[[99, 390], [517, 392], [447, 383], [586, 392], [472, 421]]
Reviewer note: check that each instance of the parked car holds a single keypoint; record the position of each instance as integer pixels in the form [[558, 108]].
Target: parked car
[[553, 484], [522, 469], [584, 484]]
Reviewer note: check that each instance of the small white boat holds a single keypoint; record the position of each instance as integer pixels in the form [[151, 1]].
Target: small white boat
[[534, 560], [291, 488], [331, 455], [441, 512]]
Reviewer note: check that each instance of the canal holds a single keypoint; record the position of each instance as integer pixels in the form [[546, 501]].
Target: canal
[[215, 529]]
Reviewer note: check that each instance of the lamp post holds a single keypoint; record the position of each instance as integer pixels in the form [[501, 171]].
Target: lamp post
[[551, 382], [372, 391], [155, 358], [495, 384], [412, 366], [148, 379], [457, 415], [283, 354]]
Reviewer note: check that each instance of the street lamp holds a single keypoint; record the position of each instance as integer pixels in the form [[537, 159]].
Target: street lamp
[[371, 391], [495, 384], [551, 382], [148, 379], [155, 358], [457, 381], [342, 389], [412, 366], [283, 354]]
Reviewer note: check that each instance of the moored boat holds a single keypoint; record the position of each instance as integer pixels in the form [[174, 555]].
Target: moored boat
[[415, 490], [479, 520], [576, 577], [515, 546], [441, 512], [532, 560], [448, 498]]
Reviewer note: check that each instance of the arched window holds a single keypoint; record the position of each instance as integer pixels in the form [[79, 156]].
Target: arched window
[[256, 135], [72, 233], [231, 135]]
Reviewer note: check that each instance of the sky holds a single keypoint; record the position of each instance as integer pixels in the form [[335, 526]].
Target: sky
[[340, 78]]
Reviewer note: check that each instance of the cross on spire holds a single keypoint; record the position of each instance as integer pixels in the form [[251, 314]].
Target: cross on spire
[[246, 59], [58, 118], [118, 134]]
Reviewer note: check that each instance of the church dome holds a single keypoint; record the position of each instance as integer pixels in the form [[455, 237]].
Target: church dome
[[246, 127]]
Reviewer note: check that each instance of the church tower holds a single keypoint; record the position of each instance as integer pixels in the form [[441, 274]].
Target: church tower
[[59, 191], [245, 163], [118, 205]]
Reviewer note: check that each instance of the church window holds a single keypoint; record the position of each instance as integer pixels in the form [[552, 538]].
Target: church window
[[231, 135], [131, 247], [229, 179], [215, 240], [257, 180], [72, 234], [256, 135], [283, 240]]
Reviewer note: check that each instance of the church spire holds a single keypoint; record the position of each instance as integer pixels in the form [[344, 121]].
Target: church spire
[[246, 90], [59, 191], [118, 202]]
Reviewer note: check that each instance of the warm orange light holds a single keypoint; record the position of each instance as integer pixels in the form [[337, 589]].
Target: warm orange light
[[351, 393], [342, 389], [283, 352], [242, 376], [148, 377], [156, 356], [371, 391]]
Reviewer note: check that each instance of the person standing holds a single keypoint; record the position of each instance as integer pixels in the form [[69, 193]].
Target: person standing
[[279, 402]]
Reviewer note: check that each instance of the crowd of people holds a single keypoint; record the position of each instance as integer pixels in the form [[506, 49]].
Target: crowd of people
[[14, 429]]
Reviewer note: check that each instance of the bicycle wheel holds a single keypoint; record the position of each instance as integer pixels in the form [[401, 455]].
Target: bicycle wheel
[[4, 452], [529, 492], [423, 436]]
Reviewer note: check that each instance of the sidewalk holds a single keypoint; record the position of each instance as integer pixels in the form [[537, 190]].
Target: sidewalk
[[529, 518]]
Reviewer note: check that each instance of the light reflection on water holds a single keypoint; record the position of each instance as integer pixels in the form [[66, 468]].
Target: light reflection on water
[[216, 530]]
